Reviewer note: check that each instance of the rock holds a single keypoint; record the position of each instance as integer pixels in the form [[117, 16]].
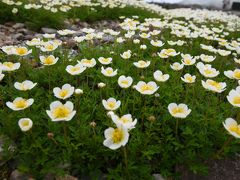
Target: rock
[[18, 36], [108, 38], [158, 177], [28, 37], [66, 177], [16, 175], [23, 31], [49, 176], [18, 25], [49, 30]]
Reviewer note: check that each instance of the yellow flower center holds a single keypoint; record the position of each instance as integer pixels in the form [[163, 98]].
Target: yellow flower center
[[63, 93], [187, 61], [235, 128], [177, 110], [208, 71], [215, 84], [21, 50], [61, 112], [142, 63], [124, 120], [237, 74], [124, 82], [146, 88], [74, 69], [111, 104], [49, 60], [22, 103], [49, 47], [117, 135], [189, 78], [168, 51], [109, 71], [236, 100], [87, 61], [105, 60], [8, 64], [25, 123]]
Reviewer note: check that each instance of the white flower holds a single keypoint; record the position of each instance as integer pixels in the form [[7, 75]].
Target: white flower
[[144, 35], [126, 121], [126, 54], [9, 66], [142, 64], [179, 111], [146, 88], [22, 51], [188, 78], [20, 103], [206, 58], [25, 85], [78, 91], [109, 72], [25, 124], [34, 42], [234, 97], [165, 53], [188, 61], [233, 74], [214, 86], [75, 70], [136, 41], [115, 138], [223, 52], [49, 36], [88, 63], [49, 60], [65, 92], [111, 104], [157, 43], [207, 70], [176, 66], [9, 50], [14, 10], [1, 75], [159, 76], [101, 85], [105, 61], [49, 46], [61, 112], [232, 127], [143, 46], [125, 82]]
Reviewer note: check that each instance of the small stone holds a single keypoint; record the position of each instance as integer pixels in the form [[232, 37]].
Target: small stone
[[66, 177], [158, 177], [18, 36], [18, 25], [49, 30], [16, 175]]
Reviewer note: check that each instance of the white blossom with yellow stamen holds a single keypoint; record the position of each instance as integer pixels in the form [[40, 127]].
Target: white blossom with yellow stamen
[[179, 111], [111, 104], [61, 112], [20, 103], [65, 92]]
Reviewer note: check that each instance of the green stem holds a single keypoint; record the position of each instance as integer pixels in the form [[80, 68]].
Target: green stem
[[125, 160], [176, 128], [226, 143]]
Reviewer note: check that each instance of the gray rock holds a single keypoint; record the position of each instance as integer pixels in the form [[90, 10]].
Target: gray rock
[[158, 177], [18, 25], [49, 30], [16, 175], [17, 36]]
